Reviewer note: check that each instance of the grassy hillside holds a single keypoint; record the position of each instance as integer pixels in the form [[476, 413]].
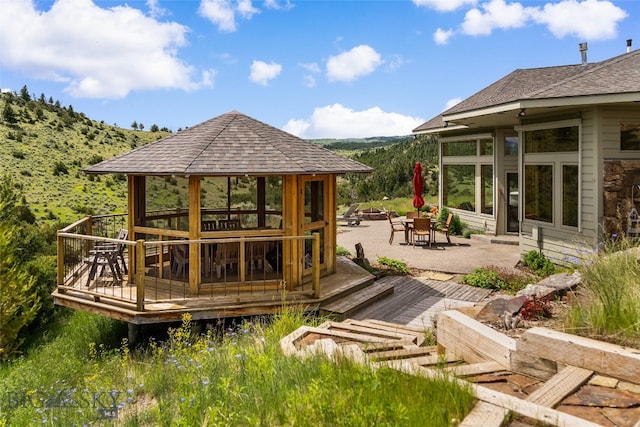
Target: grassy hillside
[[44, 147]]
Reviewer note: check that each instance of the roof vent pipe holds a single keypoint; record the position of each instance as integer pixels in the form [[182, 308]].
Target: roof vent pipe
[[583, 52], [628, 45]]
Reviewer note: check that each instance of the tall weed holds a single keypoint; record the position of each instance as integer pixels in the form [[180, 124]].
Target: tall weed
[[608, 306]]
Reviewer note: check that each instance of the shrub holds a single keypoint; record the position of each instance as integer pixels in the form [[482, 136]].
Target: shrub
[[457, 226], [535, 309], [496, 278], [396, 265], [19, 300], [342, 251], [485, 277], [538, 263], [59, 168]]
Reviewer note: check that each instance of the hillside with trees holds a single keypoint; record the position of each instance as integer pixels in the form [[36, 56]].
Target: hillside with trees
[[44, 147], [393, 171]]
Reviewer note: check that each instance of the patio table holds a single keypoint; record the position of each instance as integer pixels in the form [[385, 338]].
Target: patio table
[[408, 226]]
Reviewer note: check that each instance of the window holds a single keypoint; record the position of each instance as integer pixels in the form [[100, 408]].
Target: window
[[313, 201], [256, 201], [459, 148], [511, 146], [486, 189], [551, 140], [629, 136], [486, 147], [570, 177], [552, 173], [459, 186], [538, 192]]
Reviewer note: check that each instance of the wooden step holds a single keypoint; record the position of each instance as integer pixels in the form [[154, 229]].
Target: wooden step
[[347, 305]]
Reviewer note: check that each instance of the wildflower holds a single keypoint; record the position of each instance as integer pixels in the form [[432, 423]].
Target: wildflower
[[205, 382]]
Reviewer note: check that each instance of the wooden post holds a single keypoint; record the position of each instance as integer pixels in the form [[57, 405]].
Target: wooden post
[[60, 260], [241, 259], [315, 266], [140, 275], [194, 234]]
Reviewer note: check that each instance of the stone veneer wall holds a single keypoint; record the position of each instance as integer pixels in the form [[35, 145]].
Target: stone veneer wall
[[619, 177]]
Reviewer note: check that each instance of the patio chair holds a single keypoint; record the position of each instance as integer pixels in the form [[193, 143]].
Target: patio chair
[[445, 228], [179, 259], [396, 227], [350, 215], [227, 254], [421, 231], [229, 224]]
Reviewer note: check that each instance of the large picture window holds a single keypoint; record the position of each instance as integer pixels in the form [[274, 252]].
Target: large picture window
[[459, 186]]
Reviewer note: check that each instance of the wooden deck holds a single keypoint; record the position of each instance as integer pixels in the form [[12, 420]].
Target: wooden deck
[[167, 301], [591, 383]]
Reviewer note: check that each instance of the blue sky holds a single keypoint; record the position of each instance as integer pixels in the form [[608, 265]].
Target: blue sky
[[317, 69]]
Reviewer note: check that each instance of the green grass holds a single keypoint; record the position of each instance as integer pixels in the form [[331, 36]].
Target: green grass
[[240, 379]]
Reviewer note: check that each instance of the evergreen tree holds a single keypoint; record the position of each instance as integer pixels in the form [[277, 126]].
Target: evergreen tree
[[8, 115], [24, 93]]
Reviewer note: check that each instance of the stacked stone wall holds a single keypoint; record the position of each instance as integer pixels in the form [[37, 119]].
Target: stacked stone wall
[[620, 178]]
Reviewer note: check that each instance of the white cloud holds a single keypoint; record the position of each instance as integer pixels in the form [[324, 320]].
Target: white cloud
[[309, 80], [223, 12], [450, 103], [246, 9], [262, 72], [219, 12], [442, 36], [155, 10], [97, 52], [589, 19], [277, 5], [311, 67], [444, 5], [358, 62], [495, 14], [338, 121]]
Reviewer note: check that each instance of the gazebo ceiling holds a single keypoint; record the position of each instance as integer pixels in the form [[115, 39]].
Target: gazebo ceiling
[[228, 145]]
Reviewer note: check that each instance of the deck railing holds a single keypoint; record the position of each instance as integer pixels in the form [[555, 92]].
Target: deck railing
[[157, 272]]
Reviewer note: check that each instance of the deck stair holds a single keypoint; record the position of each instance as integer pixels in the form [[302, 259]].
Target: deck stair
[[348, 303]]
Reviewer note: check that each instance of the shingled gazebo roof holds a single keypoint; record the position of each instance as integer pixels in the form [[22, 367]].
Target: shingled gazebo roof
[[227, 145]]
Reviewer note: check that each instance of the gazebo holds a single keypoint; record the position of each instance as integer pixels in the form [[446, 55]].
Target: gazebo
[[229, 217]]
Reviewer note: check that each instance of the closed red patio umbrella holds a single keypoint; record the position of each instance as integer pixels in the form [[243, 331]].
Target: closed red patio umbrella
[[418, 201]]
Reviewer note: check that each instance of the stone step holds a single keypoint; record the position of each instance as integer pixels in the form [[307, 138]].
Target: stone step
[[347, 305]]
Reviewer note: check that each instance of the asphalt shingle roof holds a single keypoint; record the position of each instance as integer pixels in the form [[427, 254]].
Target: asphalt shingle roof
[[227, 145], [617, 75]]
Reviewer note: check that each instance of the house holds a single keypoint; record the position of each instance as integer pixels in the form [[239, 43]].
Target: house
[[230, 217], [551, 155]]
